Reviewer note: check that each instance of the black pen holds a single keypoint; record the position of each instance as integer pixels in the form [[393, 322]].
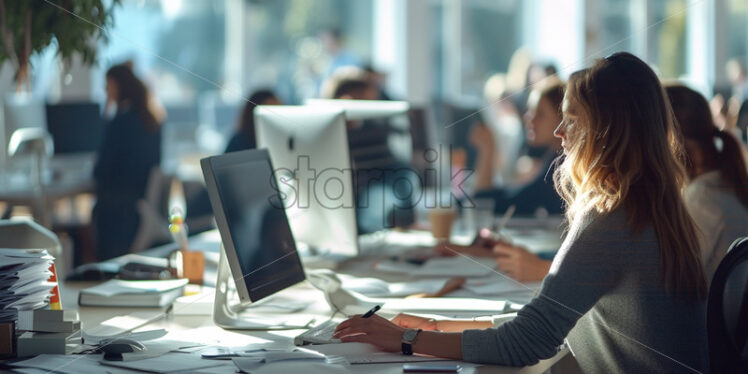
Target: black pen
[[371, 311]]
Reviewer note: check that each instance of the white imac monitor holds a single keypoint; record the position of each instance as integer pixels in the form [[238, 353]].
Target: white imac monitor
[[381, 148], [364, 109], [309, 148]]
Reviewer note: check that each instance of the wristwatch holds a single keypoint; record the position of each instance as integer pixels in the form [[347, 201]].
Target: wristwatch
[[409, 337]]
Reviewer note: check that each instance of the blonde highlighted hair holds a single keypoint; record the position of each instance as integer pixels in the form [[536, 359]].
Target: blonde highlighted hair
[[625, 152]]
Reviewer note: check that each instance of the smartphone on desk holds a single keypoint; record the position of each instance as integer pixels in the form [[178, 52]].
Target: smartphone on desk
[[422, 367]]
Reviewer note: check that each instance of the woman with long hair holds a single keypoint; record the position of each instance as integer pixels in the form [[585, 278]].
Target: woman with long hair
[[130, 149], [627, 289], [717, 193], [244, 138]]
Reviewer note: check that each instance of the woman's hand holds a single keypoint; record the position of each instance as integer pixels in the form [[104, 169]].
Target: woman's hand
[[413, 322], [481, 246], [482, 137], [374, 330], [520, 264]]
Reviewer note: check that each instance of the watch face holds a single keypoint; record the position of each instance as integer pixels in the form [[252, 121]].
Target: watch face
[[409, 335]]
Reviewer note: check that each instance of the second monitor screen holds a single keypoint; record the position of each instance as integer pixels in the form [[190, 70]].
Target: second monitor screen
[[259, 229]]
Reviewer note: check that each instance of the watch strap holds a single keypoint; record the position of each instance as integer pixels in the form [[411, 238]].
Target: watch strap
[[407, 346]]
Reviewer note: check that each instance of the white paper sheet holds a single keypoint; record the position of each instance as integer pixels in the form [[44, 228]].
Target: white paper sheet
[[498, 285], [362, 353], [457, 266], [168, 363]]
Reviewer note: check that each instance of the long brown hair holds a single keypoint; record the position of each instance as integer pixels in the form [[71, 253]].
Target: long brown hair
[[132, 93], [246, 124], [625, 152], [697, 125]]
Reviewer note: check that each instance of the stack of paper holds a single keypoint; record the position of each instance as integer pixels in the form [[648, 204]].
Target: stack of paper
[[24, 284]]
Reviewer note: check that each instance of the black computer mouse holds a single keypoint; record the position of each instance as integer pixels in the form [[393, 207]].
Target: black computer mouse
[[113, 349]]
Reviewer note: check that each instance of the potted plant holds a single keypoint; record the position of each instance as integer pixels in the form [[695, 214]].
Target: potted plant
[[30, 26]]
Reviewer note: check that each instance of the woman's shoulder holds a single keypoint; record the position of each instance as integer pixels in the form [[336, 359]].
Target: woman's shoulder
[[607, 227]]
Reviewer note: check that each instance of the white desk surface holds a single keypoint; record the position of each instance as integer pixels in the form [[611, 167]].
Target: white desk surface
[[201, 328]]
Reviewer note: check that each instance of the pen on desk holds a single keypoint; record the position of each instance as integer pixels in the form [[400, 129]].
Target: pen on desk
[[504, 220], [371, 311]]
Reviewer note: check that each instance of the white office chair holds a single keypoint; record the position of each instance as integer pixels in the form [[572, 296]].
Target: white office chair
[[34, 144], [153, 226]]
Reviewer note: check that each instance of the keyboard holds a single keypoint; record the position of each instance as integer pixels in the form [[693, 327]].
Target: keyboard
[[320, 334]]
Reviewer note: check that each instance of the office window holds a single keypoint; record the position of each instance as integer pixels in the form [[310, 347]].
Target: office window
[[615, 32], [283, 49], [737, 35], [175, 45], [667, 38], [490, 34]]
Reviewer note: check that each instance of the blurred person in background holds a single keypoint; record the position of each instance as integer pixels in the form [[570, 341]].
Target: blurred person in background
[[381, 202], [503, 121], [244, 138], [542, 117], [332, 41], [378, 80], [130, 149], [717, 193]]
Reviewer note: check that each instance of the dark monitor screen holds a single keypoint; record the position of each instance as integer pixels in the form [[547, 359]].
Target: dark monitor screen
[[75, 127], [253, 224]]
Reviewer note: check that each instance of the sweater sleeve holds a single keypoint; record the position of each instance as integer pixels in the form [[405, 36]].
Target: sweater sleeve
[[583, 271]]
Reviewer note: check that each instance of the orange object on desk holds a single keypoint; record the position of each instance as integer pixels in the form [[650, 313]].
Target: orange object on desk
[[193, 266]]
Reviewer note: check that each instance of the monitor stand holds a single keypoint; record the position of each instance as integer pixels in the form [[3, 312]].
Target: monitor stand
[[229, 316]]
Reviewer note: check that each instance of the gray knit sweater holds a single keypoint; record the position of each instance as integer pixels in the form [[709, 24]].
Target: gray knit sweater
[[604, 294]]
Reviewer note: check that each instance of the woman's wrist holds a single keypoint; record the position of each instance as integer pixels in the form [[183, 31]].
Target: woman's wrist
[[439, 344]]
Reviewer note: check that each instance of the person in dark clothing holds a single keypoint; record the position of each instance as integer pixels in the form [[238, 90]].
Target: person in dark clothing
[[382, 180], [542, 117], [130, 149], [245, 136]]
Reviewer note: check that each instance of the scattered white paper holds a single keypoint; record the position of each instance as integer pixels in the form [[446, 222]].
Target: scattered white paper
[[497, 285], [167, 363], [457, 266], [362, 353], [374, 287]]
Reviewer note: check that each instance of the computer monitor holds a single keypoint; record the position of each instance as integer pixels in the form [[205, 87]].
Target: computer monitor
[[254, 229], [76, 127], [364, 109], [381, 149], [309, 145]]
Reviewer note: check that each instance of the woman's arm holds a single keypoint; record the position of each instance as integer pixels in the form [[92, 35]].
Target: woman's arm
[[586, 268], [429, 324]]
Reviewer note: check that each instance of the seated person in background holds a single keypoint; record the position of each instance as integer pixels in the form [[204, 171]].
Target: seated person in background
[[381, 201], [503, 120], [626, 290], [131, 147], [376, 79], [717, 194], [541, 119], [244, 138]]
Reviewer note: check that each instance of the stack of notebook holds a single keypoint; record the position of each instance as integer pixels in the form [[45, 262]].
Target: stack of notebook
[[24, 285], [118, 292]]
